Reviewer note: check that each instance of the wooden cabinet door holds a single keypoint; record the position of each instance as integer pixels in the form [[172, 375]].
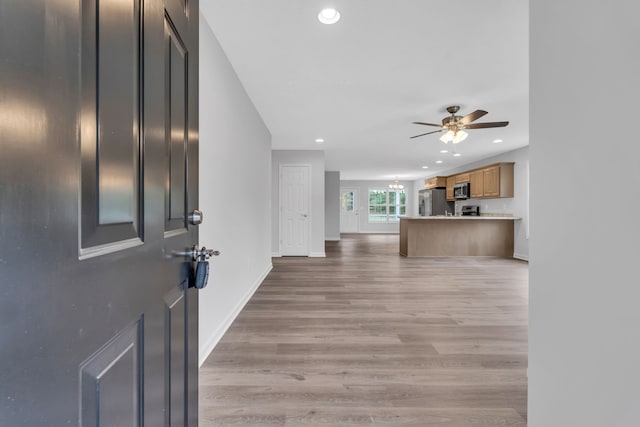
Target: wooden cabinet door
[[491, 181], [451, 181], [429, 183], [477, 184], [462, 178]]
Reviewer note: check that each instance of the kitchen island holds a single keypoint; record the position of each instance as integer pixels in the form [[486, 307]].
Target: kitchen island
[[439, 236]]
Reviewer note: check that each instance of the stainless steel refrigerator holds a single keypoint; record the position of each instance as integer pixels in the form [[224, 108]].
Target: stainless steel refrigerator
[[434, 202]]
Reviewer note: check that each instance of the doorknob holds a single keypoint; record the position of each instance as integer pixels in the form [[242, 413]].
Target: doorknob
[[305, 215], [203, 254], [197, 254]]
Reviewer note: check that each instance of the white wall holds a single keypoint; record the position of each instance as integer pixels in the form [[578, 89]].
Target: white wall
[[235, 188], [584, 316], [518, 205], [363, 204], [315, 158], [332, 205]]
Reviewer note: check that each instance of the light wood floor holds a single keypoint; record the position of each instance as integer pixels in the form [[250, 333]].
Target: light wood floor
[[368, 338]]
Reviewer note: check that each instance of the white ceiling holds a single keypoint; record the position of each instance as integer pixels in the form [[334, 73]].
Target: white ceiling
[[361, 82]]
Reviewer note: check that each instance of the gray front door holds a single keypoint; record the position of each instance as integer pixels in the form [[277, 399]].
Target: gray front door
[[98, 172]]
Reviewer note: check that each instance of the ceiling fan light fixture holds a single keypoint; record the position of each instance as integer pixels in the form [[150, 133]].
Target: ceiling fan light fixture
[[448, 136], [329, 16], [460, 136]]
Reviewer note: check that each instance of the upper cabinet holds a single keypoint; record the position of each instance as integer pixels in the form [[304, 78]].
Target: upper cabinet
[[435, 182], [451, 181], [476, 180], [492, 182], [462, 178]]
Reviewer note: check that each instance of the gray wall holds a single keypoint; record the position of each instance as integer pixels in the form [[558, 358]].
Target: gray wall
[[235, 188], [332, 205], [518, 205], [584, 320], [315, 158], [363, 204]]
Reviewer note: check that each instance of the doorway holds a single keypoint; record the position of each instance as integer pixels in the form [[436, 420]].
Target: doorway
[[349, 216], [295, 208]]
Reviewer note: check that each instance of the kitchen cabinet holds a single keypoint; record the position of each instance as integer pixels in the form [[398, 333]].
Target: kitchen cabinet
[[476, 180], [462, 178], [491, 184], [451, 181], [435, 182]]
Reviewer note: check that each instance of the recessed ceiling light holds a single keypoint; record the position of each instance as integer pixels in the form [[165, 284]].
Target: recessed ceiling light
[[329, 16], [425, 167], [444, 151], [438, 161], [319, 140], [495, 141], [457, 154]]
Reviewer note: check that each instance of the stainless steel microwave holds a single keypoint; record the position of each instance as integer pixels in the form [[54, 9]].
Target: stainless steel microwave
[[461, 191]]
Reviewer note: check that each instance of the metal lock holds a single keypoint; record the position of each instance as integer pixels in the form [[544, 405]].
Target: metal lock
[[201, 276]]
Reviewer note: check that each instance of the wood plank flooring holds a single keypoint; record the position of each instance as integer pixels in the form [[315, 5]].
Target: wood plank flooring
[[365, 337]]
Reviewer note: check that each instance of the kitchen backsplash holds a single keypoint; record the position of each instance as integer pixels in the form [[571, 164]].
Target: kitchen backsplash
[[491, 206]]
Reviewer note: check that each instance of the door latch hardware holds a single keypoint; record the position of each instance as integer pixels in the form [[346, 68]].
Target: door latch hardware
[[201, 276], [203, 254], [196, 217]]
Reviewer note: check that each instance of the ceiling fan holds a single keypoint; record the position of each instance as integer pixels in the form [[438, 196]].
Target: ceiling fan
[[454, 126]]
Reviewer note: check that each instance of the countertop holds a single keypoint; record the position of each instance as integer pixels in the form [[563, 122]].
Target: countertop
[[447, 218]]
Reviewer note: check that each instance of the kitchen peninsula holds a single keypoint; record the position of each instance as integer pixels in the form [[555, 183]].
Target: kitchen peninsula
[[456, 236]]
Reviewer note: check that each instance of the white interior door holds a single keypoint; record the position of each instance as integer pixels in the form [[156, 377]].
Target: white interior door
[[295, 218], [349, 210]]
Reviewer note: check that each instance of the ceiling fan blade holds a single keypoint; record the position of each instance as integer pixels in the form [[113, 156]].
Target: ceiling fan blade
[[486, 125], [473, 116], [426, 124], [428, 133]]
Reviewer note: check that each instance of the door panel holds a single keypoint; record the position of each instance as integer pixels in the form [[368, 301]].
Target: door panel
[[111, 382], [97, 323], [176, 132], [110, 141], [175, 357]]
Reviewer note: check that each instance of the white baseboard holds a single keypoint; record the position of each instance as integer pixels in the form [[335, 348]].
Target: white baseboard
[[276, 255], [217, 335], [332, 238], [378, 232], [523, 257], [317, 255]]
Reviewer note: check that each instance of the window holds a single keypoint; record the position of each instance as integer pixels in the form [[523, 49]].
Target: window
[[347, 201], [386, 205]]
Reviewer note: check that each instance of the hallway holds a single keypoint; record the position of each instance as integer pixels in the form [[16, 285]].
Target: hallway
[[365, 337]]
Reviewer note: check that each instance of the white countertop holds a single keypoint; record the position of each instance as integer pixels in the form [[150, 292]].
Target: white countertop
[[448, 218]]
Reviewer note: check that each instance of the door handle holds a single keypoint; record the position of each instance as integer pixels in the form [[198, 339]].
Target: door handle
[[305, 215], [203, 254], [197, 254]]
